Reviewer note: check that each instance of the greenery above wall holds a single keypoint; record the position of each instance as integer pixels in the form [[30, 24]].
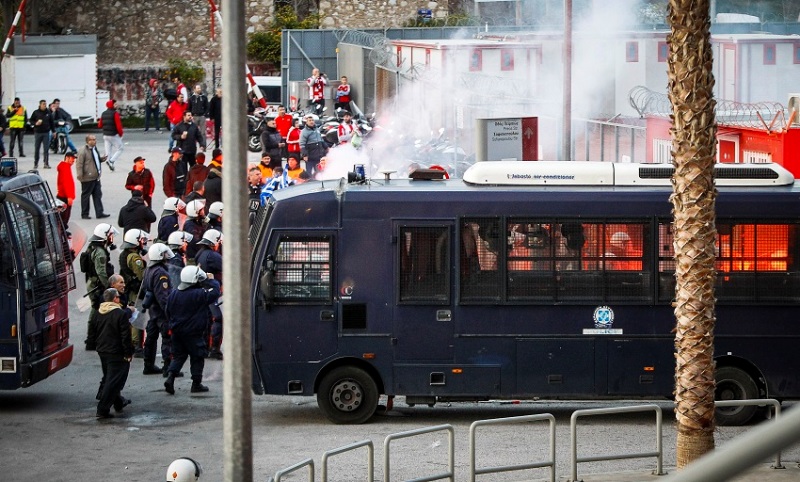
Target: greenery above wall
[[265, 46]]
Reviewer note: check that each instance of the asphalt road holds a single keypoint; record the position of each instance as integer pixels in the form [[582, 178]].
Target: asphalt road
[[48, 432]]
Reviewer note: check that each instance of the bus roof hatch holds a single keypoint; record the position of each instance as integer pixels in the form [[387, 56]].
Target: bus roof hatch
[[580, 173]]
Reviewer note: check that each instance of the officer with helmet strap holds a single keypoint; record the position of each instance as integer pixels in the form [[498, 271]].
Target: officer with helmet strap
[[184, 469]]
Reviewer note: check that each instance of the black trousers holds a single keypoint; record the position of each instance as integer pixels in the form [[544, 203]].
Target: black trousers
[[41, 140], [16, 135], [157, 326], [115, 374], [193, 347], [91, 189]]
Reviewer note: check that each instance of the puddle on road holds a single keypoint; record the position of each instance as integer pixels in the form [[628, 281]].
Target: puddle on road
[[138, 420]]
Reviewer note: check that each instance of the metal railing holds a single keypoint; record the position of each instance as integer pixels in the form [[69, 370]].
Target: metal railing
[[551, 462], [658, 453], [450, 474], [299, 465], [347, 448], [759, 402]]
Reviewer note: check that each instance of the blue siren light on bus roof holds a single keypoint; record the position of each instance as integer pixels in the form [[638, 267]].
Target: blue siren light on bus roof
[[577, 173]]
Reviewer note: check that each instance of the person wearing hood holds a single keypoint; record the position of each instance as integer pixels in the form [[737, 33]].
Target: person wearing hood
[[272, 143], [136, 214], [152, 100], [111, 333], [188, 313], [198, 172], [111, 124], [141, 179], [213, 182]]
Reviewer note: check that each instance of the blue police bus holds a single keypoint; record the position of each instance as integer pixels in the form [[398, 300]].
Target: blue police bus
[[35, 277], [551, 280]]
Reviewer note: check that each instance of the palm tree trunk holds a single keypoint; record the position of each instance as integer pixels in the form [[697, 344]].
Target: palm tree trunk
[[693, 132]]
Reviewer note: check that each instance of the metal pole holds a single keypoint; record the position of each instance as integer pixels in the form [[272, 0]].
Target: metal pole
[[237, 369], [566, 128]]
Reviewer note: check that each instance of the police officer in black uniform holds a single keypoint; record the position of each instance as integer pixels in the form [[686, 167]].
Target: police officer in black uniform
[[188, 313], [157, 289]]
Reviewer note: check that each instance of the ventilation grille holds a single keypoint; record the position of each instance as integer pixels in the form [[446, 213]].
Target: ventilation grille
[[8, 365], [726, 173]]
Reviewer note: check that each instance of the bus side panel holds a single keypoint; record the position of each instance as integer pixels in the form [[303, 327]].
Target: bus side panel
[[641, 367], [556, 366], [755, 334]]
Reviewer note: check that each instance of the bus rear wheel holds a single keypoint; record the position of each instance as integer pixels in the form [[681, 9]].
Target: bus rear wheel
[[348, 395], [735, 384]]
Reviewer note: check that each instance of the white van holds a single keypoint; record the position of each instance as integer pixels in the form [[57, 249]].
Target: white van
[[270, 88]]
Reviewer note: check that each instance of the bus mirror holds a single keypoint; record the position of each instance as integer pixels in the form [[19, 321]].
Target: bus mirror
[[267, 277]]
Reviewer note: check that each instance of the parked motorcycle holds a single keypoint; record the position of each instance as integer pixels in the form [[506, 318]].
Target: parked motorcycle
[[58, 142]]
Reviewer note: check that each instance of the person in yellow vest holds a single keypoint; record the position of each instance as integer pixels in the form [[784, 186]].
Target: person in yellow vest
[[17, 117]]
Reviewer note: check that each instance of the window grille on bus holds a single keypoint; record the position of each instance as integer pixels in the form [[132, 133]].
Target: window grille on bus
[[303, 270], [755, 263], [424, 264]]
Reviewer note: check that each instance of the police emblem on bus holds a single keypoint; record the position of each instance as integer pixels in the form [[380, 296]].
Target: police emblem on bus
[[603, 317]]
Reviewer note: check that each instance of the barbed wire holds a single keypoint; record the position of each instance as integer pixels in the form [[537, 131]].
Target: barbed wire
[[757, 115], [380, 46]]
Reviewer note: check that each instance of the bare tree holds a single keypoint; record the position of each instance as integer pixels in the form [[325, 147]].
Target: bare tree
[[693, 132]]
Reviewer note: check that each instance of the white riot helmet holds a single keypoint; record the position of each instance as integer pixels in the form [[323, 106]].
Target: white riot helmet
[[215, 209], [184, 469], [159, 252], [133, 237], [190, 276], [194, 208], [173, 204], [211, 237], [104, 232], [177, 238]]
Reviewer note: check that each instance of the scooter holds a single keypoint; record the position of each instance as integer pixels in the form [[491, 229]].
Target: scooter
[[58, 142]]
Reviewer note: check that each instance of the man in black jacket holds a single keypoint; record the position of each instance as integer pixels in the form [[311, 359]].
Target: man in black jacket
[[198, 106], [112, 335], [42, 123], [136, 214], [187, 136], [215, 114]]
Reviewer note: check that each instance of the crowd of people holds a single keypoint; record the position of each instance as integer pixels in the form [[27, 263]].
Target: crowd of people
[[169, 288]]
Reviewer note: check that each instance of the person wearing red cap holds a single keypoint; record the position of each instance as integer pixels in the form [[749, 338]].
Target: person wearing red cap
[[65, 185], [111, 124], [141, 179], [152, 99]]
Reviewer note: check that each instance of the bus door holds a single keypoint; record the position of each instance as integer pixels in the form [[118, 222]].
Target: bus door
[[423, 311], [300, 324], [9, 343]]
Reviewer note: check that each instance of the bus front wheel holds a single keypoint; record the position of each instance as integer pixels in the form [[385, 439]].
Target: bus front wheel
[[735, 384], [348, 395]]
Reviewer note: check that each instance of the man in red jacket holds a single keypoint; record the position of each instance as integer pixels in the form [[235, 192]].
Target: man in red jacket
[[141, 179], [65, 185]]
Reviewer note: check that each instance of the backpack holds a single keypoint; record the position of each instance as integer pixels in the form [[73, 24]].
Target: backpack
[[86, 263]]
